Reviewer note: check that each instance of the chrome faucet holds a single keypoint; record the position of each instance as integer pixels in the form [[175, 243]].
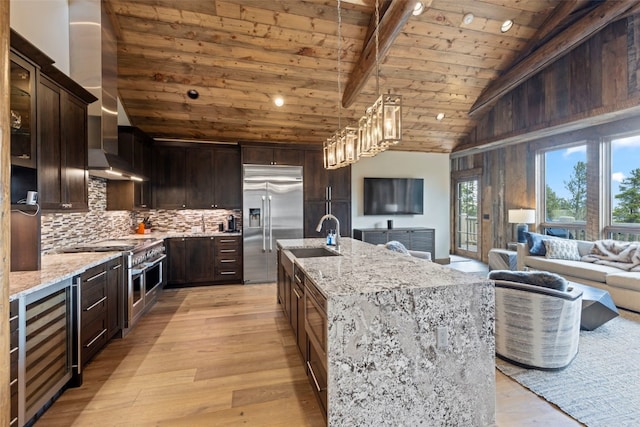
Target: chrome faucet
[[329, 216]]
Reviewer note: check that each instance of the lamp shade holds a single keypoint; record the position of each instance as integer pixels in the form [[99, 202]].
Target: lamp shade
[[522, 216]]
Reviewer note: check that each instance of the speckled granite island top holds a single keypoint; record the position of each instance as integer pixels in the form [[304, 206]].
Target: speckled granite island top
[[366, 268], [55, 268], [409, 342]]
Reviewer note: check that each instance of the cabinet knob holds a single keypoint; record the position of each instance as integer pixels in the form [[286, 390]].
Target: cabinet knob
[[143, 206], [184, 206]]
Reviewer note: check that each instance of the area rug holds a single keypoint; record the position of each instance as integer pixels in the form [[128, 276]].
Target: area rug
[[601, 387]]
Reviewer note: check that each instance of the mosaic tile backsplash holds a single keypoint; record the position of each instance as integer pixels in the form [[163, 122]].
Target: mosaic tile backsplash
[[59, 230]]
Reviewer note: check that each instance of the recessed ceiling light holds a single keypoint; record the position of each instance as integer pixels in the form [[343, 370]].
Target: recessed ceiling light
[[278, 101], [468, 18], [506, 25], [418, 8], [440, 116], [193, 94]]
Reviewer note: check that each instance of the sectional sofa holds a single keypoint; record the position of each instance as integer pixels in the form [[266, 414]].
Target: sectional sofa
[[622, 285]]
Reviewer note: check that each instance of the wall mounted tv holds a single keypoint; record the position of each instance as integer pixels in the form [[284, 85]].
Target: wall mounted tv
[[393, 196]]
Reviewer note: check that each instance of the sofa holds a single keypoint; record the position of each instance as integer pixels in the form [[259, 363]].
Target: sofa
[[622, 285]]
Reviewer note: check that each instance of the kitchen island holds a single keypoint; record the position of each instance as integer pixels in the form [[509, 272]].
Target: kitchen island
[[406, 341]]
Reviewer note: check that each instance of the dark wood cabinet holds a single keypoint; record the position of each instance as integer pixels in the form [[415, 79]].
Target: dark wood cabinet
[[22, 78], [201, 177], [169, 191], [228, 259], [62, 159], [176, 263], [290, 284], [93, 312], [272, 156], [325, 191], [204, 260], [418, 239], [227, 178], [115, 296], [199, 258]]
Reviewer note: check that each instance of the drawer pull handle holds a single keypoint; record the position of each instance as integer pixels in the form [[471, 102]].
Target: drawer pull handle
[[227, 272], [297, 294], [15, 380], [227, 241], [104, 331], [116, 267], [95, 304], [227, 260], [226, 251], [96, 276], [313, 376], [14, 421], [13, 350], [11, 319]]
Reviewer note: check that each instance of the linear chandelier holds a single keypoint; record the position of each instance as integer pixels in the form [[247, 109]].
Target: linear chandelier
[[378, 129]]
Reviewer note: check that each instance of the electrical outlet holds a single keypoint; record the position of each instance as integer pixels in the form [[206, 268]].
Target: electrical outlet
[[442, 338]]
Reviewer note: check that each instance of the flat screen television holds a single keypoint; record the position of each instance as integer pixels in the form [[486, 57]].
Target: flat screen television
[[393, 196]]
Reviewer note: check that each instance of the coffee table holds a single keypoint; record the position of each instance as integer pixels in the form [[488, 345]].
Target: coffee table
[[597, 307]]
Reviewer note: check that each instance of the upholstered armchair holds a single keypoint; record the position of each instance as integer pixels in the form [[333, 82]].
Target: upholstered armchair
[[396, 246], [537, 322]]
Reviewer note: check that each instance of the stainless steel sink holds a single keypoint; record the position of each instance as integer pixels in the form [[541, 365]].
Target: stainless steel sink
[[312, 252]]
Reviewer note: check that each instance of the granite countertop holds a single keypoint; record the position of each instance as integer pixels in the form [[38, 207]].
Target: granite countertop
[[56, 267], [364, 268], [53, 269]]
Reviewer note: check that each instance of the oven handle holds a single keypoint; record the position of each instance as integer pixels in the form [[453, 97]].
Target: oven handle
[[154, 262]]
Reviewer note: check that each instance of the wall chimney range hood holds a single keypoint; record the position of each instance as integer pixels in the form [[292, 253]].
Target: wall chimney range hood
[[94, 65]]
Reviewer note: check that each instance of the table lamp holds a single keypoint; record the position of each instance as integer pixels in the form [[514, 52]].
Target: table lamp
[[522, 217]]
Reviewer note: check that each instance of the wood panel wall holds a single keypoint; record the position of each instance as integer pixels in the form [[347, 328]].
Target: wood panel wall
[[5, 225], [595, 83], [590, 93]]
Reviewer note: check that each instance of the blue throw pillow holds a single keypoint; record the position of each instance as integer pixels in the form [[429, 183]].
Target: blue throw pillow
[[536, 243]]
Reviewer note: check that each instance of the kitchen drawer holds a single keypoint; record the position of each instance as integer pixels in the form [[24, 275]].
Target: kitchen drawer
[[228, 261], [94, 302], [317, 376], [93, 338], [13, 339], [228, 273], [227, 245]]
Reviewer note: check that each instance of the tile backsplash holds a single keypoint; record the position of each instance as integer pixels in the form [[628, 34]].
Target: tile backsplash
[[67, 229]]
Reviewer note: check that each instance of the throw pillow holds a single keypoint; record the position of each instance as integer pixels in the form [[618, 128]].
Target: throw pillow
[[396, 246], [562, 249], [535, 242], [537, 278]]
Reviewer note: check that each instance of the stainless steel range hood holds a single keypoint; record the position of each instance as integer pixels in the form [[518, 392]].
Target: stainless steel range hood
[[94, 64]]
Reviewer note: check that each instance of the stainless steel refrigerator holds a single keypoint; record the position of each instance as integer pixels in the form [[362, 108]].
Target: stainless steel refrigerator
[[272, 210]]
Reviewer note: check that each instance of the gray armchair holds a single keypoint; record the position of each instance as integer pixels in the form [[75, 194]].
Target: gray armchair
[[537, 322], [396, 246]]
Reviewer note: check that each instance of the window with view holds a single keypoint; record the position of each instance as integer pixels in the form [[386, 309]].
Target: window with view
[[565, 184], [625, 180]]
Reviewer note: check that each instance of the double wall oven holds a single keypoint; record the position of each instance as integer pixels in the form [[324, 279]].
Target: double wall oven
[[145, 262]]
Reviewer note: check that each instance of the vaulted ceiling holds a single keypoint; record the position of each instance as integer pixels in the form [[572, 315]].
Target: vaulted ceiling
[[240, 54]]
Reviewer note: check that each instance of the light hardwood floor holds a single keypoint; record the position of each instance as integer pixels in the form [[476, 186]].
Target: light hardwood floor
[[224, 355]]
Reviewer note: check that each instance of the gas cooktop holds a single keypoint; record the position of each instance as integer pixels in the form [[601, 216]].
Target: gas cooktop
[[112, 245]]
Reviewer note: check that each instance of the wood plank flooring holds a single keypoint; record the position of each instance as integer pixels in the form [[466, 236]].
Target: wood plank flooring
[[222, 356]]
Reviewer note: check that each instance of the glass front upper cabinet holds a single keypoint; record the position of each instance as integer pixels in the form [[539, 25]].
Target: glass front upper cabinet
[[22, 120]]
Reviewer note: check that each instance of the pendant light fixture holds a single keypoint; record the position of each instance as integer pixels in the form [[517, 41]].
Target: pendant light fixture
[[376, 131]]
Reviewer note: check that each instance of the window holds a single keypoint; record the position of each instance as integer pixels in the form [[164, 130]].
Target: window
[[565, 184], [625, 180]]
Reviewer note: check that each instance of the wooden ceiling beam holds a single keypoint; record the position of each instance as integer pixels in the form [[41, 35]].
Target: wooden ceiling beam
[[549, 52], [391, 22]]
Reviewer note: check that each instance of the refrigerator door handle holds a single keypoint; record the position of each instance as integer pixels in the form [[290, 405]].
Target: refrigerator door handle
[[270, 228], [264, 227]]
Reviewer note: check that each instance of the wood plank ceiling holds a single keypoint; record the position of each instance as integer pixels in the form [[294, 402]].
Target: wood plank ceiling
[[240, 54]]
